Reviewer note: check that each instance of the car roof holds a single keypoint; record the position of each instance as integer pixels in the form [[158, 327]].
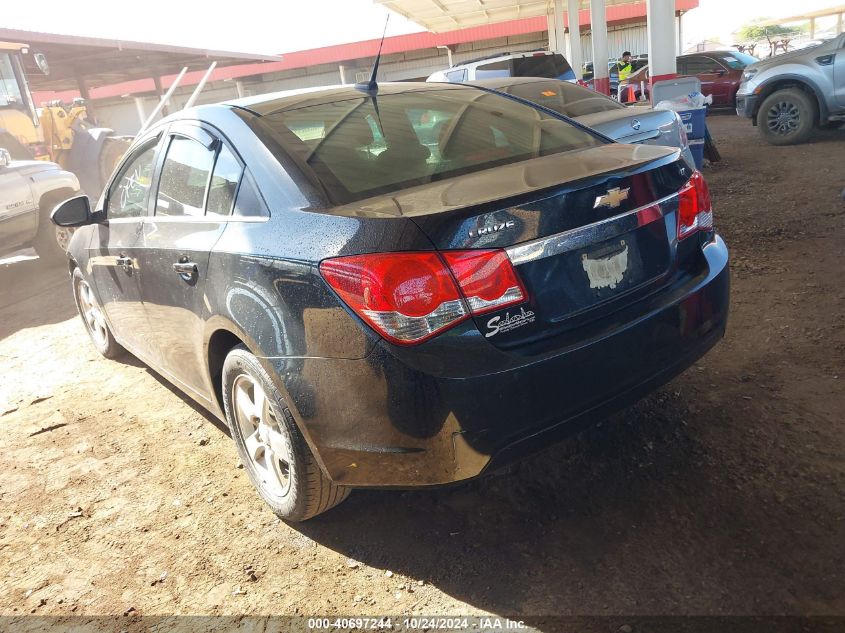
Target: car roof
[[270, 103], [501, 56], [706, 53], [497, 82]]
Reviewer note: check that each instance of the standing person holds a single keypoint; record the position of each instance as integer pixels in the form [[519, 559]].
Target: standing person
[[624, 67]]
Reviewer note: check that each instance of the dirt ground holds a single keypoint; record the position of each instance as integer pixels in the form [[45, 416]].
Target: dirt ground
[[721, 494]]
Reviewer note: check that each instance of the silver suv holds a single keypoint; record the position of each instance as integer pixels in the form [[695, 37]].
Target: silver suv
[[29, 189], [529, 64], [789, 95]]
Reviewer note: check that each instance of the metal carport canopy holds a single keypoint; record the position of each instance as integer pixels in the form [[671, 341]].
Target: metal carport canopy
[[86, 62], [447, 15], [438, 16]]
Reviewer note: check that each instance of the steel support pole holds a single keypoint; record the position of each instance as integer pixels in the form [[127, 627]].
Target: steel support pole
[[598, 22], [550, 25], [680, 32], [90, 112], [163, 100], [139, 106], [573, 50], [159, 92], [662, 61], [560, 29], [196, 93], [448, 54]]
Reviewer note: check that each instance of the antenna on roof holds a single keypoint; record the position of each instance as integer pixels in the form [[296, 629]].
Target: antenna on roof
[[371, 87]]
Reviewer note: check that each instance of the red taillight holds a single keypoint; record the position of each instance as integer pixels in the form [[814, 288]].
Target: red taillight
[[486, 278], [695, 210], [410, 297]]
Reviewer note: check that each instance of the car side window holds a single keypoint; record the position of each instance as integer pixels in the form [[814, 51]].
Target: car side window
[[489, 70], [457, 76], [224, 183], [249, 203], [184, 178], [130, 191], [700, 65]]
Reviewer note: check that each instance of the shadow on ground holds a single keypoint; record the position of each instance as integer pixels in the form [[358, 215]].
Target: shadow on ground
[[636, 516], [26, 282]]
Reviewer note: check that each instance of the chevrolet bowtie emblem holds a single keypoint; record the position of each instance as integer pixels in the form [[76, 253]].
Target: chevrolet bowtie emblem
[[612, 199]]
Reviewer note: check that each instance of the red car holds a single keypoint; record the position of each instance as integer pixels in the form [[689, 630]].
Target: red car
[[720, 73]]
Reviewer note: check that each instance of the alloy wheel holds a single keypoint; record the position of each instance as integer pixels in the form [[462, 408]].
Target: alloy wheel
[[267, 444], [63, 235], [783, 118], [91, 314]]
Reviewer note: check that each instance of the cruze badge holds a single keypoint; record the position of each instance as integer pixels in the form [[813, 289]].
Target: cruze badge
[[613, 198], [493, 228]]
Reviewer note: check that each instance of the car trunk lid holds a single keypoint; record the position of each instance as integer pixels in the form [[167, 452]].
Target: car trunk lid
[[631, 125], [581, 248]]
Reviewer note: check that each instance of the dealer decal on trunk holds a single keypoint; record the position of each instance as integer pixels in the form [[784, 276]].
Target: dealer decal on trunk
[[507, 323]]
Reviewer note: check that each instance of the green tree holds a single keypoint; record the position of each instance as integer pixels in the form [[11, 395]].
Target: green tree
[[777, 35]]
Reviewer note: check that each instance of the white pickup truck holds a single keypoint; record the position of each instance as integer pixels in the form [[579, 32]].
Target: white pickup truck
[[29, 190]]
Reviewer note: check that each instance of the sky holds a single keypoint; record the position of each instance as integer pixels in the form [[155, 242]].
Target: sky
[[279, 26]]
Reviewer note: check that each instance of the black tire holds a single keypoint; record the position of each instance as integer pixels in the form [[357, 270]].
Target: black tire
[[96, 326], [787, 117], [16, 149], [711, 152], [305, 492]]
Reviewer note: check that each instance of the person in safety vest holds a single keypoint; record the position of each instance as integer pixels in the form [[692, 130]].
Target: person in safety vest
[[624, 67]]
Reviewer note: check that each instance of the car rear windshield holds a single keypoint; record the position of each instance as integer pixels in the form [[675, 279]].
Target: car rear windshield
[[568, 99], [552, 66], [361, 147]]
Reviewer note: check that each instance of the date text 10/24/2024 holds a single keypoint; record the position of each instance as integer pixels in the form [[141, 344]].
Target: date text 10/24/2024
[[419, 623]]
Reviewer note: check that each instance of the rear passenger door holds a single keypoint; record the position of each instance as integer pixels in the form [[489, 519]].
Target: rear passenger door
[[194, 195]]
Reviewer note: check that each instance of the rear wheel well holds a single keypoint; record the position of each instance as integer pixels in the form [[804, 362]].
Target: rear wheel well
[[787, 84], [219, 346]]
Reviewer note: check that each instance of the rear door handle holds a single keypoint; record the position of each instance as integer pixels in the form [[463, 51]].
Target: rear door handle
[[185, 269]]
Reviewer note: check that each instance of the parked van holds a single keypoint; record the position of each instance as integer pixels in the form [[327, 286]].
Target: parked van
[[530, 64]]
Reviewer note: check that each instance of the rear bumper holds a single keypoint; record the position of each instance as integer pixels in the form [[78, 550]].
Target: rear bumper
[[746, 105], [435, 415]]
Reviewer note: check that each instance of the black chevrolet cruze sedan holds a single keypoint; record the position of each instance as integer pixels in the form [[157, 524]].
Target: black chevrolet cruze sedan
[[406, 286]]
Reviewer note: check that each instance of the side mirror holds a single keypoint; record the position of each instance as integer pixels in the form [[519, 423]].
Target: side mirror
[[5, 157], [73, 212]]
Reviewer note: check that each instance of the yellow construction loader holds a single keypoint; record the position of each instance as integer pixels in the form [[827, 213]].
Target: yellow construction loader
[[56, 132]]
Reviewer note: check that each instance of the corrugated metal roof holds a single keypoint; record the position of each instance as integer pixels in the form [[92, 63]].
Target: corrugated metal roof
[[821, 13], [616, 13], [102, 61]]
